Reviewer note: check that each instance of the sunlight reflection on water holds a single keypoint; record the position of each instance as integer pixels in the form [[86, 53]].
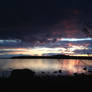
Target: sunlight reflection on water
[[52, 66]]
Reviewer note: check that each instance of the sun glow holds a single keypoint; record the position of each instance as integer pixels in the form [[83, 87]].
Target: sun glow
[[39, 51], [56, 48]]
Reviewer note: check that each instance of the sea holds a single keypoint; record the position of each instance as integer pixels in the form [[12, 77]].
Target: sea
[[43, 67]]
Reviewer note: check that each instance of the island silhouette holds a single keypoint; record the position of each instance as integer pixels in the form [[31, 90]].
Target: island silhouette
[[52, 57]]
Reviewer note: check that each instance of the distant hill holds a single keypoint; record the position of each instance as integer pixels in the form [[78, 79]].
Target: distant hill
[[34, 57], [52, 57]]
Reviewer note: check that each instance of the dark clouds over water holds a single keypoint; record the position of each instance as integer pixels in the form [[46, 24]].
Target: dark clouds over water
[[42, 22]]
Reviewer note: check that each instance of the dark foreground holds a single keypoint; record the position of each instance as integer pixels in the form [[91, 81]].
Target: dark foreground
[[27, 80]]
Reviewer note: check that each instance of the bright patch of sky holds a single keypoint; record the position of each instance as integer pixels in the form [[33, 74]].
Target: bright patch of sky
[[75, 39], [73, 46]]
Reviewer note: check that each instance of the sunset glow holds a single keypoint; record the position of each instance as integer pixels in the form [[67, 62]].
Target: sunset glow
[[40, 51]]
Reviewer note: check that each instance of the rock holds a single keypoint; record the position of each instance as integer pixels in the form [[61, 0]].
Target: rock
[[60, 71], [22, 74]]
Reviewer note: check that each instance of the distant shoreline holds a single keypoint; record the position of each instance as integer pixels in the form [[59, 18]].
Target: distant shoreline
[[52, 57]]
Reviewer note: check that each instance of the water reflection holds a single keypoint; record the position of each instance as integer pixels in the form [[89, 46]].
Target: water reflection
[[51, 66], [73, 66]]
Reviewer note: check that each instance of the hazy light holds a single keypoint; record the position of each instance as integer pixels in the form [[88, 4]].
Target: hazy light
[[9, 41], [43, 50], [75, 39]]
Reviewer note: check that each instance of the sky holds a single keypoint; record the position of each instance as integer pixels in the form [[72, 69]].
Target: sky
[[45, 27]]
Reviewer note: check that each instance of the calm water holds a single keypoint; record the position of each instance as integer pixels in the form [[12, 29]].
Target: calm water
[[48, 66]]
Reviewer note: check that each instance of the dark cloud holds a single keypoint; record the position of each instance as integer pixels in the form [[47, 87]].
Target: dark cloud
[[43, 22]]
